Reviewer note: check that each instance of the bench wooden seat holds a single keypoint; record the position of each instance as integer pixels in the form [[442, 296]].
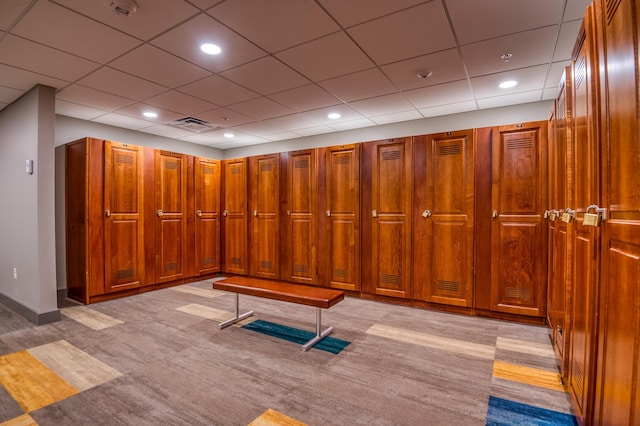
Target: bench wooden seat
[[320, 298]]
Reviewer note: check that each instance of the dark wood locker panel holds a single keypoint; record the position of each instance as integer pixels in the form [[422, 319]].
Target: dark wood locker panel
[[339, 217], [386, 182], [235, 258], [264, 222], [443, 218], [299, 217], [123, 223], [586, 239], [170, 219], [617, 394], [207, 215], [519, 194]]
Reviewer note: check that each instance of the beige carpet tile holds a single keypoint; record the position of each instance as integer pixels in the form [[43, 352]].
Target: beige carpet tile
[[436, 342], [75, 366], [31, 383], [275, 418], [197, 291], [533, 348], [90, 317], [205, 312], [24, 420], [531, 376]]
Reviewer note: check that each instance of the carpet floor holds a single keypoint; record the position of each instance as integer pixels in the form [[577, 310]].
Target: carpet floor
[[159, 358]]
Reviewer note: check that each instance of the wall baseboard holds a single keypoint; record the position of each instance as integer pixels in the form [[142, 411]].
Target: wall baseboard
[[34, 317]]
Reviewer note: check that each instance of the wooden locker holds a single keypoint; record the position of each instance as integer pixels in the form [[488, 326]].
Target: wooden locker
[[386, 227], [519, 194], [443, 218], [234, 217], [299, 217], [586, 239], [123, 223], [207, 215], [339, 217], [617, 393], [264, 222]]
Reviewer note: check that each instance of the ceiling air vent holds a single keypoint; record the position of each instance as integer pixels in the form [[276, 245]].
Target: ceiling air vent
[[194, 125]]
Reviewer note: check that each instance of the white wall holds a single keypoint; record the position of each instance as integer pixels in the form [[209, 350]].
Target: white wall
[[27, 238]]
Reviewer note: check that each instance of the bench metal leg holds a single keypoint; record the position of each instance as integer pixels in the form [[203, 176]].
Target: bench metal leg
[[236, 317], [319, 335]]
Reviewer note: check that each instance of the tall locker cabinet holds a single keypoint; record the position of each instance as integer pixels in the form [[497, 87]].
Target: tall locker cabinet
[[386, 228], [207, 215], [443, 218], [339, 217], [299, 217], [234, 217], [519, 197], [264, 222]]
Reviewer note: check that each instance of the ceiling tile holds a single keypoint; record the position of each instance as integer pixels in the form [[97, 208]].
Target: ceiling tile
[[82, 112], [137, 110], [512, 99], [500, 17], [413, 32], [444, 66], [275, 25], [361, 85], [158, 66], [310, 131], [383, 105], [225, 117], [8, 95], [121, 84], [25, 80], [305, 98], [218, 90], [259, 129], [528, 48], [266, 76], [21, 53], [327, 57], [576, 9], [352, 124], [290, 135], [94, 98], [10, 11], [566, 40], [397, 117], [185, 41], [167, 131], [555, 73], [179, 102], [353, 12], [152, 18], [528, 79], [456, 108], [442, 94], [261, 108], [82, 36], [119, 120]]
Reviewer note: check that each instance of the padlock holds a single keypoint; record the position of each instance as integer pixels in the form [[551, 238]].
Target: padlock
[[591, 219], [553, 215], [546, 214]]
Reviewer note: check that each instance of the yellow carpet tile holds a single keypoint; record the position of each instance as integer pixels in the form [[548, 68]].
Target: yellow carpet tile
[[23, 420], [436, 342], [274, 418], [527, 375], [31, 383], [90, 317]]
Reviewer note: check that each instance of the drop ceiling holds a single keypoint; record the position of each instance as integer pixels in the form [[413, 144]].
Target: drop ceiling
[[285, 64]]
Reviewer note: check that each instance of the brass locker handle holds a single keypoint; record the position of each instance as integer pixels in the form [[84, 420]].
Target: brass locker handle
[[495, 214], [199, 213], [255, 212], [288, 212], [107, 213], [328, 212], [225, 213], [374, 213], [426, 213], [159, 213]]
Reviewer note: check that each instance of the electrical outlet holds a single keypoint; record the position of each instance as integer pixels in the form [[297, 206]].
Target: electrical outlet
[[15, 273]]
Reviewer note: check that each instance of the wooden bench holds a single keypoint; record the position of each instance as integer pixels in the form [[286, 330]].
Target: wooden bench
[[320, 298]]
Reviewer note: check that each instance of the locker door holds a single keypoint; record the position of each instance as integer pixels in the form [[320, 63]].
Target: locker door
[[207, 215], [234, 216], [299, 217], [123, 203], [519, 194], [264, 205], [618, 374], [339, 255], [386, 250], [170, 206], [443, 218]]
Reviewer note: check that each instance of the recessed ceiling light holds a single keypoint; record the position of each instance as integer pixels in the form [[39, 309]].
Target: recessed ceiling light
[[210, 49], [508, 84], [150, 114], [333, 115], [229, 135]]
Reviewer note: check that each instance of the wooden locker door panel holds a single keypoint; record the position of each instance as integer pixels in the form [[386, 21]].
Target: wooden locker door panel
[[617, 396], [342, 218], [299, 231], [518, 264], [264, 204], [171, 202], [235, 217], [207, 215], [390, 217], [124, 232], [443, 218]]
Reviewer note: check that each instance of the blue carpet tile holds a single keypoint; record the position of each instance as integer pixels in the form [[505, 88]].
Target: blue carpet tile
[[504, 412], [328, 344]]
